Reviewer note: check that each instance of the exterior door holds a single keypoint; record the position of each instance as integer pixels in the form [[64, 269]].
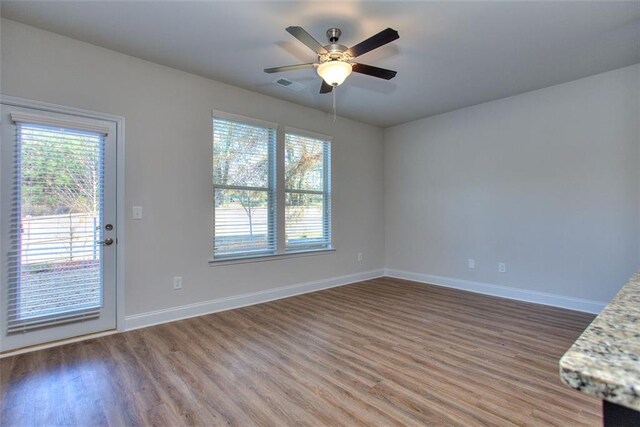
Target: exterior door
[[58, 218]]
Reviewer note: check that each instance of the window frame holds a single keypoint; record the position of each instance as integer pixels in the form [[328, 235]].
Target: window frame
[[271, 189], [278, 197], [325, 192]]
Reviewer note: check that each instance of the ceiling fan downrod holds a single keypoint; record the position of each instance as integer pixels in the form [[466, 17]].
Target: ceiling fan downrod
[[333, 34]]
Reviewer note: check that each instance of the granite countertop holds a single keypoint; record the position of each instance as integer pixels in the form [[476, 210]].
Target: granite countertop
[[605, 360]]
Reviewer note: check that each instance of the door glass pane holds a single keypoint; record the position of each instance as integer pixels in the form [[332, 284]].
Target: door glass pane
[[57, 267]]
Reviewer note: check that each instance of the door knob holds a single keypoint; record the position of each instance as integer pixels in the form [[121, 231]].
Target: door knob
[[107, 242]]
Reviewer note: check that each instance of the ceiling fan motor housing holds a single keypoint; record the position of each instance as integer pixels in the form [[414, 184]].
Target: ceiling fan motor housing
[[333, 34], [335, 51]]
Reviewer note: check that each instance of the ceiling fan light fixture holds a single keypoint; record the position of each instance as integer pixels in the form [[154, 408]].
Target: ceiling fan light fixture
[[334, 72]]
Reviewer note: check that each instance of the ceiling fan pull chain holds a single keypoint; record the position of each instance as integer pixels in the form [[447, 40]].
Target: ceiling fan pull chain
[[335, 89]]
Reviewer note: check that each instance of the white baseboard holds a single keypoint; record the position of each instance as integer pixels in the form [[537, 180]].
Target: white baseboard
[[570, 303], [143, 320]]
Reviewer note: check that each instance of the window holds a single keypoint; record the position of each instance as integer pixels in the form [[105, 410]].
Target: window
[[271, 191], [244, 189], [308, 201]]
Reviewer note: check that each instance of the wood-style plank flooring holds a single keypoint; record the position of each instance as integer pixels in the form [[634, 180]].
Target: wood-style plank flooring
[[380, 352]]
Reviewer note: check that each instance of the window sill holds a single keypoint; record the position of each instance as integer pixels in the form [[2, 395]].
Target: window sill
[[271, 257]]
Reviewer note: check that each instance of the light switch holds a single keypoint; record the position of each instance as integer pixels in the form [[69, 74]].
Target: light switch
[[137, 212]]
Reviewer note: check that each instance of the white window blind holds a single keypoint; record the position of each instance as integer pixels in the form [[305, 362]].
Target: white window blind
[[307, 193], [54, 272], [244, 189]]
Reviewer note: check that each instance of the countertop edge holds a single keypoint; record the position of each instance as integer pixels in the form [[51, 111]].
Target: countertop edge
[[604, 361], [584, 383]]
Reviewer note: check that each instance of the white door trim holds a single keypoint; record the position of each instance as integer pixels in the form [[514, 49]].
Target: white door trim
[[120, 187]]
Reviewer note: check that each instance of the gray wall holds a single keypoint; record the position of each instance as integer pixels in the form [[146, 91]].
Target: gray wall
[[547, 182], [169, 166]]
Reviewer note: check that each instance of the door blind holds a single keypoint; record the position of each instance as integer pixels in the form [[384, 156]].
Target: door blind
[[307, 193], [244, 189], [54, 264]]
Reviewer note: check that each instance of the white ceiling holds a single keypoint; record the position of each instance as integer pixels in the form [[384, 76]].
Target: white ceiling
[[450, 54]]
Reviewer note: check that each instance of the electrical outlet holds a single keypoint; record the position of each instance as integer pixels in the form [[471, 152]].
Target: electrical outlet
[[177, 283], [502, 267], [471, 263], [360, 256]]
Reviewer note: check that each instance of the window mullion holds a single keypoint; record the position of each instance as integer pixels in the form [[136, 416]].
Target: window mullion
[[239, 187], [280, 193], [305, 191]]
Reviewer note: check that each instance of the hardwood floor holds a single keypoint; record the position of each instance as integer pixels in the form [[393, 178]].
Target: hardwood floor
[[380, 352]]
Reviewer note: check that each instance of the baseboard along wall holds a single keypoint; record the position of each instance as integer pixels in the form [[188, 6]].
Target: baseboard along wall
[[207, 307], [570, 303]]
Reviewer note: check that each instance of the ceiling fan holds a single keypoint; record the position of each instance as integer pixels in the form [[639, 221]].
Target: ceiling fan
[[335, 60]]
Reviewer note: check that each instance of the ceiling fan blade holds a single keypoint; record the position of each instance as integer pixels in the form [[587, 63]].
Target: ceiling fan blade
[[374, 42], [370, 70], [289, 68], [325, 88], [306, 39]]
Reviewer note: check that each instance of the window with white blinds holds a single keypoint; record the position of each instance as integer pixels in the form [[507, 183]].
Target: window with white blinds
[[54, 271], [272, 192], [307, 193], [244, 189]]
